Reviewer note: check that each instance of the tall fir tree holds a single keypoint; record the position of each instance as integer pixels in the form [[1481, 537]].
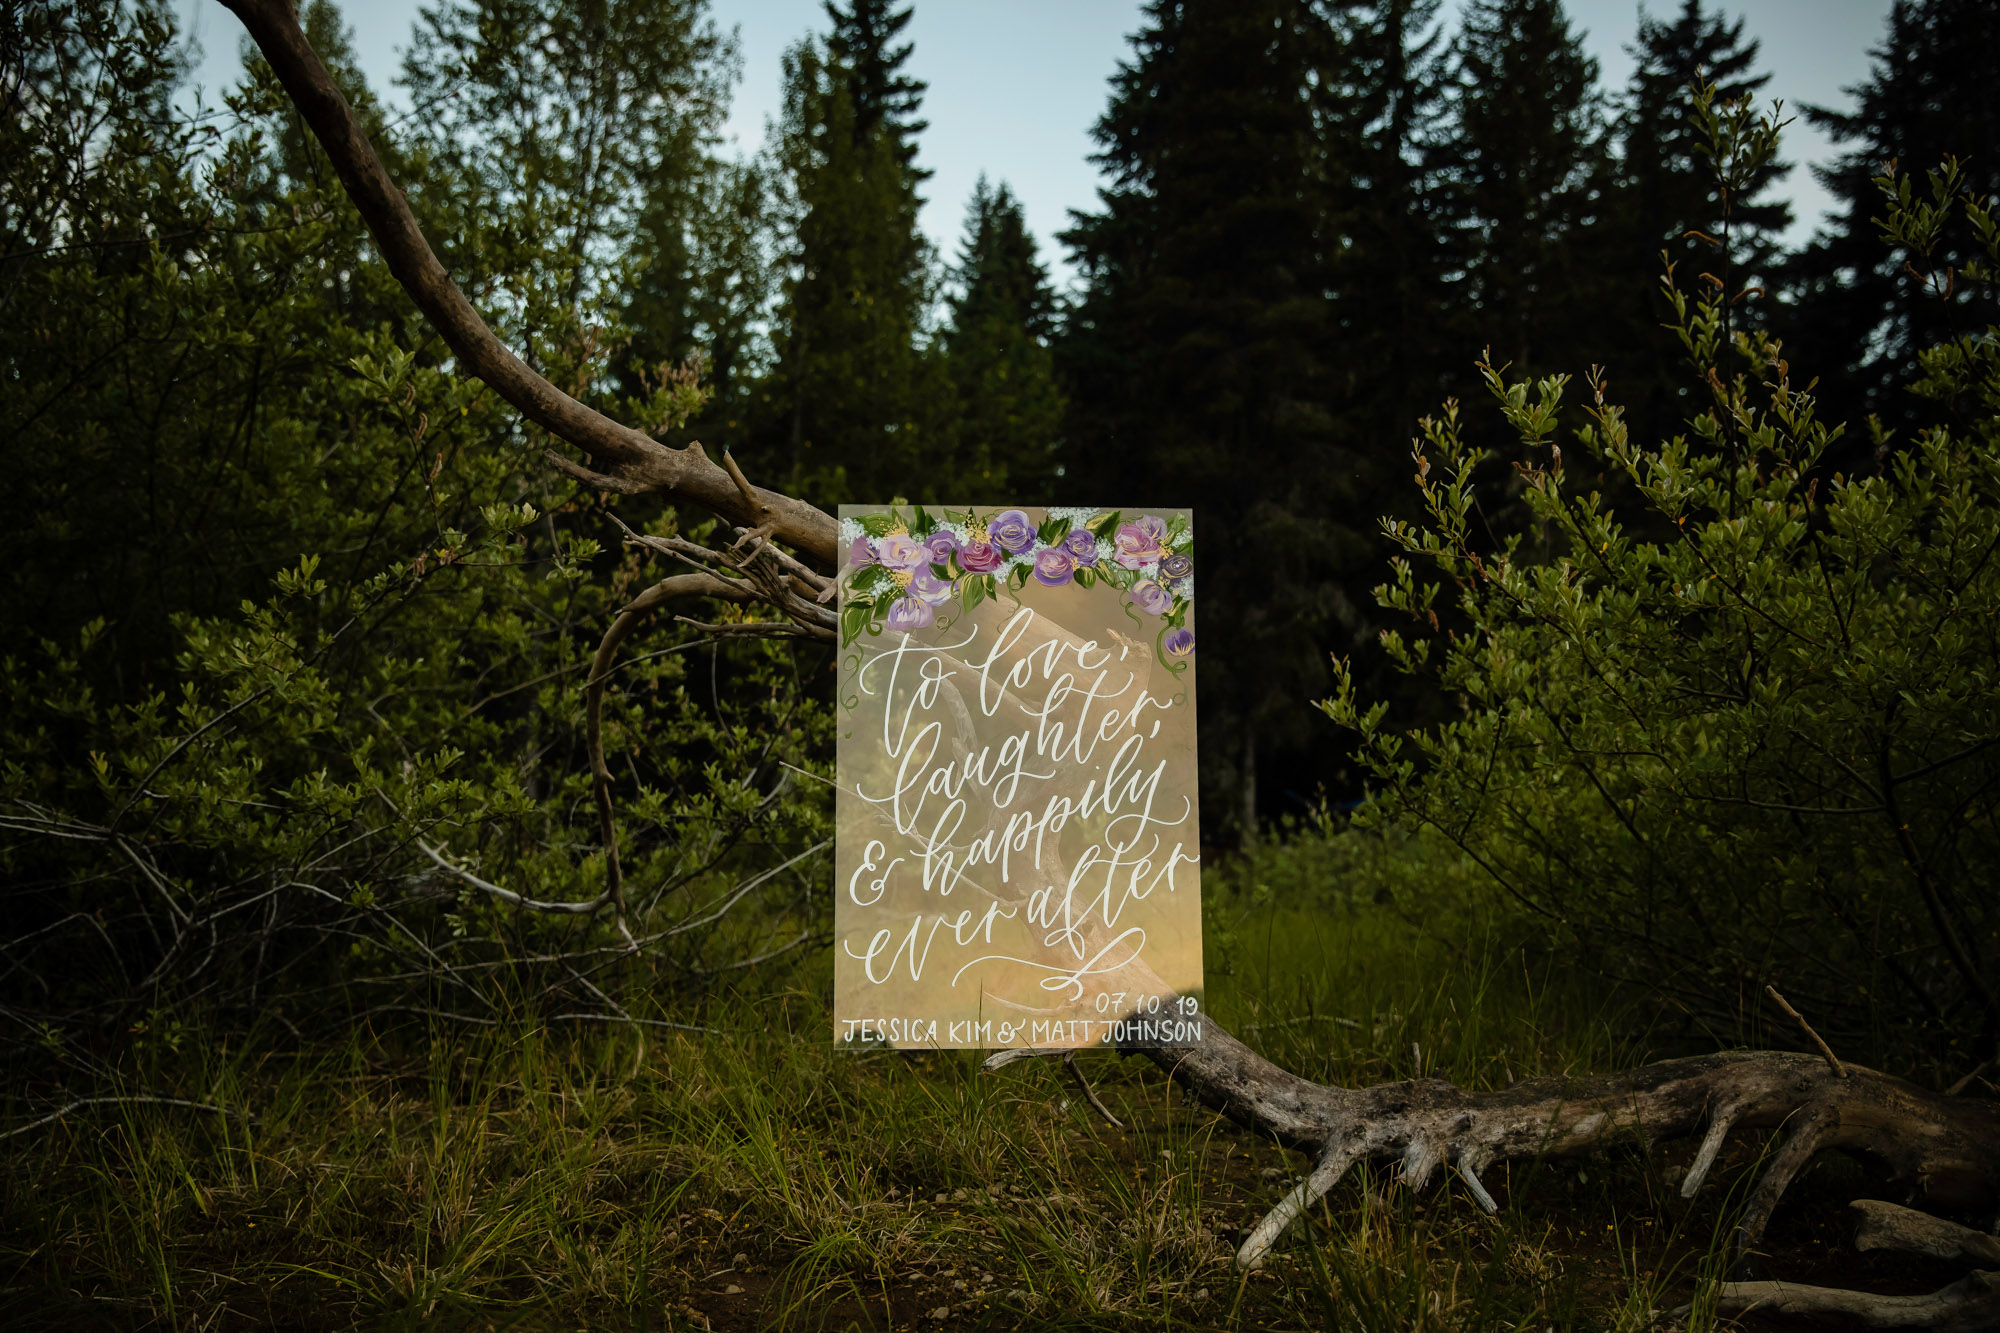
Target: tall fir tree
[[1008, 410], [1526, 169], [1193, 357], [1668, 203], [1379, 97], [1930, 94], [855, 407], [1669, 181]]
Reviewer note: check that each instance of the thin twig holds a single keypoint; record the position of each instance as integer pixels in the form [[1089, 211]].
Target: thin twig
[[133, 1099], [1839, 1070], [1090, 1093]]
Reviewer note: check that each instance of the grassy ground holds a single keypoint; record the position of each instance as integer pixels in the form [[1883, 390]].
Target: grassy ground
[[755, 1177]]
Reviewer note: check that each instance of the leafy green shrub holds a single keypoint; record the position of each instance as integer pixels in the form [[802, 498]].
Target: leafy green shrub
[[216, 796], [1742, 727]]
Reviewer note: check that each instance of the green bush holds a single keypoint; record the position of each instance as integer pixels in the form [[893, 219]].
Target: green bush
[[216, 794], [1729, 717]]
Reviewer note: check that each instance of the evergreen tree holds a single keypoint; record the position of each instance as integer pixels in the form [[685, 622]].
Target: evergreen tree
[[1931, 94], [853, 409], [1194, 356], [1009, 413], [1527, 170], [1668, 201], [884, 98], [1380, 106], [1669, 180]]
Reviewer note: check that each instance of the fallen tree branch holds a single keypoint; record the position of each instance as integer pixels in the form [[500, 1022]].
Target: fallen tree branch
[[135, 1099], [1945, 1150], [1970, 1305], [624, 459], [1886, 1226]]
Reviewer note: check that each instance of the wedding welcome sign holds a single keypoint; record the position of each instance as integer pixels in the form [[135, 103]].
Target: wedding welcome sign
[[1017, 844]]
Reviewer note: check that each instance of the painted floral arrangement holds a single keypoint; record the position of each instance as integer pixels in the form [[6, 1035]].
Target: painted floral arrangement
[[905, 570]]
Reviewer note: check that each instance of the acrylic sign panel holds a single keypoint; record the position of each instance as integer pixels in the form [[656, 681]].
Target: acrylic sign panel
[[1018, 837]]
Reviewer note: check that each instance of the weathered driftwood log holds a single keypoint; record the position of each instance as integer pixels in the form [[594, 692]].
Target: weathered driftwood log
[[1970, 1305], [1943, 1150]]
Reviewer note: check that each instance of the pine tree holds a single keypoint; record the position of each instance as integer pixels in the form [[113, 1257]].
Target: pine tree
[[1668, 201], [1193, 358], [1668, 178], [1527, 169], [853, 407], [1008, 411], [1931, 94], [1380, 105]]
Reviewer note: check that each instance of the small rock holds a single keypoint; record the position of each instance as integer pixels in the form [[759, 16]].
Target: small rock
[[732, 1290], [741, 1259], [942, 1312]]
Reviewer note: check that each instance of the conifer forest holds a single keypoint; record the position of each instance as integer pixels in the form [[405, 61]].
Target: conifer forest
[[417, 687]]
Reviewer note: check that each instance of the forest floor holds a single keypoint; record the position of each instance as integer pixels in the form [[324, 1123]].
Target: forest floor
[[754, 1177]]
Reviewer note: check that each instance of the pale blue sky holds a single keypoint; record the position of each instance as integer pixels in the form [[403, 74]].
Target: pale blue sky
[[1016, 84]]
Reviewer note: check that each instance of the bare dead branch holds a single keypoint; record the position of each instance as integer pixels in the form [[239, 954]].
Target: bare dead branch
[[590, 908], [134, 1099], [625, 459], [1090, 1093], [629, 619], [1817, 1040], [1968, 1305], [1888, 1226]]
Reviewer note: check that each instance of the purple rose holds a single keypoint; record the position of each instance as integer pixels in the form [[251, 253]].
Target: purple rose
[[908, 613], [1081, 546], [1053, 566], [1150, 597], [901, 551], [1138, 543], [1177, 566], [1179, 644], [861, 553], [979, 557], [941, 545], [928, 587], [1012, 532]]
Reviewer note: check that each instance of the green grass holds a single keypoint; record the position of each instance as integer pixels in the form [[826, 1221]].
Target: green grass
[[539, 1178]]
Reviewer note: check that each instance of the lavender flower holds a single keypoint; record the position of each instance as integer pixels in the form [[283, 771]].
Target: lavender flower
[[1177, 566], [908, 613], [928, 587], [1179, 644], [861, 553], [1150, 597], [1081, 546], [1012, 532], [1053, 566], [942, 545], [901, 551], [1139, 543]]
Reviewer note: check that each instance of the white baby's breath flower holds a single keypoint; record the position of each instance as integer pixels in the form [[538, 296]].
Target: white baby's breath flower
[[850, 528], [1106, 552]]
